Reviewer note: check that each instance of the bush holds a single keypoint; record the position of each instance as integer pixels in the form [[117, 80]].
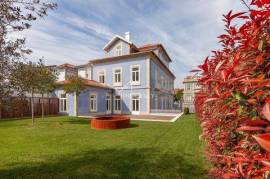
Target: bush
[[186, 110], [233, 105]]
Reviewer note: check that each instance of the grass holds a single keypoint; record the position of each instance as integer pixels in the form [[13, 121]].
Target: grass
[[62, 147]]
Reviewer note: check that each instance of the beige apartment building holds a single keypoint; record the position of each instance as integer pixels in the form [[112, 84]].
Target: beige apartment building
[[190, 88]]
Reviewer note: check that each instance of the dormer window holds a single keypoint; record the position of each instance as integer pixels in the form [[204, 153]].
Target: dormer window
[[118, 50]]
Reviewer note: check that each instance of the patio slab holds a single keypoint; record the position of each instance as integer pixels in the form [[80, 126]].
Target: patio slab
[[149, 117], [159, 118]]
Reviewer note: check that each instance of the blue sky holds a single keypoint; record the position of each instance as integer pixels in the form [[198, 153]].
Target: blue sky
[[77, 31]]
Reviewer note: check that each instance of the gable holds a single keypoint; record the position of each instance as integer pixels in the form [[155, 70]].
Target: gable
[[113, 40], [119, 43]]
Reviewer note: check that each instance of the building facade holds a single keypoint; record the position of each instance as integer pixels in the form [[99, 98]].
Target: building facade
[[128, 80], [190, 89]]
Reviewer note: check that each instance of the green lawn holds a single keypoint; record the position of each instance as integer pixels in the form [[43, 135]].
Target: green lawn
[[61, 147]]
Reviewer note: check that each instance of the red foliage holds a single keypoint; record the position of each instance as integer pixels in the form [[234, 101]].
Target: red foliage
[[233, 104]]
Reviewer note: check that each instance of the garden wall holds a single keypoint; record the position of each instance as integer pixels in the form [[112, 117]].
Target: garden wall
[[21, 107]]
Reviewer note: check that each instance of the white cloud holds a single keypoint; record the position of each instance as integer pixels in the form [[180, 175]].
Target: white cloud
[[77, 31]]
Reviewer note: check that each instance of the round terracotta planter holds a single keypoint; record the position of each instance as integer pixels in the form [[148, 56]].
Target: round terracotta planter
[[110, 122]]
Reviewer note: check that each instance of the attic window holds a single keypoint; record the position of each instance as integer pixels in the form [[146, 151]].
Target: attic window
[[118, 50]]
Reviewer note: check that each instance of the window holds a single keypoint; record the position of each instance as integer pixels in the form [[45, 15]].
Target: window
[[61, 75], [118, 50], [162, 102], [135, 75], [93, 103], [82, 73], [188, 98], [135, 103], [188, 86], [162, 81], [156, 102], [117, 103], [117, 76], [156, 78], [108, 104], [166, 102], [101, 76], [63, 103]]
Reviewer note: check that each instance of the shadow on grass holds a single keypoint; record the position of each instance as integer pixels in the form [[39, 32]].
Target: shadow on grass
[[110, 163], [78, 121], [132, 125]]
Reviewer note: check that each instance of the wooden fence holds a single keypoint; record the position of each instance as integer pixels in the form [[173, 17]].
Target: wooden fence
[[21, 107]]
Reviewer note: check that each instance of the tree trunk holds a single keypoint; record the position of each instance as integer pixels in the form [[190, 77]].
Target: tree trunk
[[32, 107], [42, 106], [0, 108]]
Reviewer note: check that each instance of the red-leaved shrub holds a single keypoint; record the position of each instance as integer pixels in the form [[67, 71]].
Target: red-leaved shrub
[[233, 104]]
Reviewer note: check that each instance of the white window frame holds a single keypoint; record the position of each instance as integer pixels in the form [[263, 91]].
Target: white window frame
[[114, 99], [101, 72], [95, 109], [108, 98], [131, 103], [63, 99], [118, 51], [121, 76], [131, 75]]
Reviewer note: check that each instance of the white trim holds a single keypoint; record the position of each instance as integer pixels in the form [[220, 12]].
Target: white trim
[[121, 50], [131, 103], [96, 105], [134, 83], [60, 99], [110, 99], [117, 111], [104, 73], [121, 76]]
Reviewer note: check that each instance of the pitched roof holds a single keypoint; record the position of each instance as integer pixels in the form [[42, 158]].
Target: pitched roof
[[116, 58], [127, 57], [150, 47], [113, 40], [66, 65], [91, 83]]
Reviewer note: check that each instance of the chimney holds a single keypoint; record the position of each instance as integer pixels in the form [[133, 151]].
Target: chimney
[[127, 36]]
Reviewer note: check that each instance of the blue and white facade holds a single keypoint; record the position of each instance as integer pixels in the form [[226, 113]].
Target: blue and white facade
[[128, 80]]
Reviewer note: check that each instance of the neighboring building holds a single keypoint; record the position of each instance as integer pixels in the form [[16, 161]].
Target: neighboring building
[[190, 88], [178, 98], [128, 80]]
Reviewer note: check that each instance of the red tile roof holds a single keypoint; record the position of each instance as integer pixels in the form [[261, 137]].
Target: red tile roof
[[91, 83], [117, 58], [150, 47], [66, 65]]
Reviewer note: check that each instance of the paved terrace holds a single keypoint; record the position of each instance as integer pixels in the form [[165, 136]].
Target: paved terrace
[[151, 117]]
